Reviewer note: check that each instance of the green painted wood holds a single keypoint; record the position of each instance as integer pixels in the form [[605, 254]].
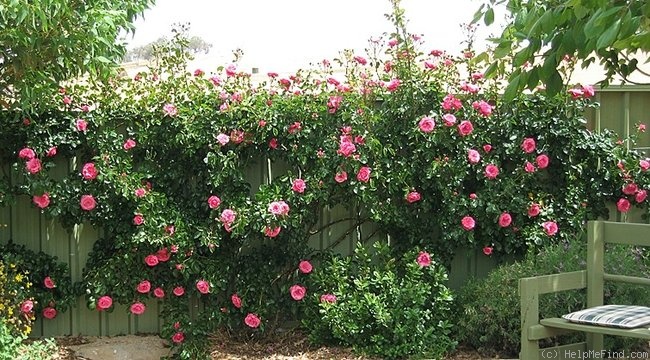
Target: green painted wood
[[150, 321], [563, 352], [558, 282], [85, 321], [529, 311], [626, 279], [117, 322], [626, 233], [559, 323], [640, 113], [539, 332]]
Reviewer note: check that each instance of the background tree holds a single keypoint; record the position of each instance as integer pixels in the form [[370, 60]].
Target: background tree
[[542, 33], [43, 42], [195, 45]]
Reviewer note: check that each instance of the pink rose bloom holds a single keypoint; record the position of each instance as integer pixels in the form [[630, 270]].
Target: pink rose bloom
[[412, 197], [151, 260], [333, 103], [465, 128], [630, 189], [341, 177], [272, 75], [575, 93], [49, 313], [138, 308], [252, 320], [272, 232], [364, 174], [533, 210], [505, 219], [449, 119], [487, 148], [163, 255], [223, 139], [26, 153], [236, 301], [472, 196], [641, 127], [295, 127], [550, 227], [470, 88], [273, 143], [41, 201], [393, 85], [482, 107], [27, 306], [328, 298], [424, 259], [427, 124], [298, 185], [214, 202], [140, 192], [179, 291], [231, 70], [450, 102], [641, 196], [392, 42], [228, 216], [129, 144], [644, 165], [33, 166], [305, 267], [588, 91], [542, 161], [529, 167], [623, 205], [477, 76], [159, 292], [473, 156], [361, 60], [143, 287], [178, 337], [170, 110], [491, 171], [297, 292], [346, 146], [198, 72], [528, 145], [468, 223], [138, 219], [51, 151], [67, 100], [430, 66], [89, 171], [279, 208], [49, 283], [82, 125], [104, 302], [203, 286], [87, 202], [487, 250]]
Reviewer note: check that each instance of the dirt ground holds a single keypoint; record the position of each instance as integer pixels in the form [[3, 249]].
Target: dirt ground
[[288, 347]]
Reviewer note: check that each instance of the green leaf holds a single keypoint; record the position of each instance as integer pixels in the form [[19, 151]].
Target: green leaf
[[513, 87], [554, 83], [489, 17], [607, 38]]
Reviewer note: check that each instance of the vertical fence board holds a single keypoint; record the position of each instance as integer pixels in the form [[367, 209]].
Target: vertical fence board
[[85, 322], [149, 322]]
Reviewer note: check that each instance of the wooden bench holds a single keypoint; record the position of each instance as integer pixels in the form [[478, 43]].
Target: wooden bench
[[533, 329]]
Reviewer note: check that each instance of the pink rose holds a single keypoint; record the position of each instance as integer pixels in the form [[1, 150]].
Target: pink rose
[[129, 144], [143, 287], [575, 93], [49, 283], [361, 60], [487, 148], [49, 313], [588, 91], [163, 255], [450, 102], [203, 286], [529, 167], [641, 196], [42, 201], [472, 196], [449, 119], [465, 128], [482, 107], [297, 292], [87, 202], [138, 308], [641, 127], [346, 146], [104, 302], [228, 217], [550, 227], [272, 232], [138, 219], [279, 208], [223, 139], [533, 210], [198, 72], [505, 219], [328, 298], [273, 143], [26, 153], [236, 301], [140, 192], [468, 223], [170, 110], [623, 205], [341, 177], [295, 127], [33, 165], [491, 171], [630, 189], [473, 156], [82, 125], [542, 161], [89, 172], [364, 174], [159, 292], [305, 267], [51, 151], [644, 165], [424, 259], [27, 306], [179, 291], [528, 145], [252, 320], [412, 197], [178, 337], [298, 185], [214, 202], [427, 124], [487, 250], [151, 260], [393, 84], [333, 103], [67, 100]]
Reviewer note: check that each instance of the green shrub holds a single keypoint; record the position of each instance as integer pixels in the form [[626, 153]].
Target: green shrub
[[489, 309], [381, 305]]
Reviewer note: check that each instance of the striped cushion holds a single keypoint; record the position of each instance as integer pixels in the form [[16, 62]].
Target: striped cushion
[[623, 316]]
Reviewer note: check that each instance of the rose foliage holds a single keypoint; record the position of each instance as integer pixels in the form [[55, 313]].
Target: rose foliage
[[164, 163]]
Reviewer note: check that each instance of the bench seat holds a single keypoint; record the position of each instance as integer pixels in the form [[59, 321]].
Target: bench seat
[[559, 323]]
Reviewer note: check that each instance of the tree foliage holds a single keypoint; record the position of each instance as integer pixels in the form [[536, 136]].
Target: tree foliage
[[43, 42], [195, 45], [541, 34]]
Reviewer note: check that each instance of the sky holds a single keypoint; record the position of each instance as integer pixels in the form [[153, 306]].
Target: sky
[[284, 35]]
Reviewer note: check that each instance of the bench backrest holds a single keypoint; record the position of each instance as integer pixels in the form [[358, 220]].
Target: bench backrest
[[599, 233]]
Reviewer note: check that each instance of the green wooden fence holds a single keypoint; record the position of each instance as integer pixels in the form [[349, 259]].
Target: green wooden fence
[[24, 224]]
